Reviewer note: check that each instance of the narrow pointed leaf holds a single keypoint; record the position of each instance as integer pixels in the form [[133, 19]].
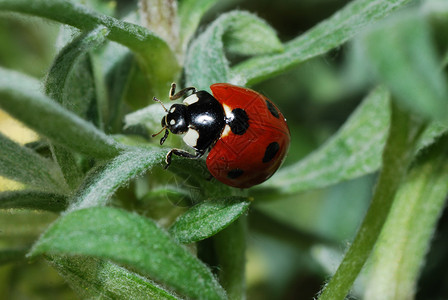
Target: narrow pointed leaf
[[208, 218], [91, 277], [249, 36], [65, 61], [103, 181], [18, 91], [206, 62], [329, 34], [70, 82], [132, 240], [24, 165], [406, 236], [33, 200]]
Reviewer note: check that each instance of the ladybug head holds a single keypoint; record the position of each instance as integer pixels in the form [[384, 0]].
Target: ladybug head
[[175, 120]]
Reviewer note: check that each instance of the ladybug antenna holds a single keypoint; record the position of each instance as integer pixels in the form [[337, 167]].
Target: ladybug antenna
[[155, 134], [157, 100]]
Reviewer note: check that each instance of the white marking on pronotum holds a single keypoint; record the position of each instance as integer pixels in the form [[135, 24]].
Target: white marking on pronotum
[[173, 108], [191, 99], [172, 122], [191, 137]]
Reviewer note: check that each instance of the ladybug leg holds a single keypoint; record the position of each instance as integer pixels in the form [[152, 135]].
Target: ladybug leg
[[181, 153], [181, 93]]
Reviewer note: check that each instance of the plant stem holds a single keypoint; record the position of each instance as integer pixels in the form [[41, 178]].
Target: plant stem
[[398, 153]]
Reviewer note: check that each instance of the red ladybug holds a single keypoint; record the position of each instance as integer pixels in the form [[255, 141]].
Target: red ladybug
[[246, 135]]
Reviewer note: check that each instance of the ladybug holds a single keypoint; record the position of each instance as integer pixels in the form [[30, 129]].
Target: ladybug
[[244, 133]]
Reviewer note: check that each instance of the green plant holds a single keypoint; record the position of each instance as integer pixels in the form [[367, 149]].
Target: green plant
[[94, 198]]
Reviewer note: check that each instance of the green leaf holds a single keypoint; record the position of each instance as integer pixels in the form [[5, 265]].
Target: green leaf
[[190, 14], [68, 165], [103, 181], [119, 76], [410, 226], [251, 36], [132, 240], [159, 61], [196, 173], [70, 82], [55, 84], [355, 150], [329, 34], [208, 218], [149, 117], [206, 62], [91, 277], [399, 151], [402, 55], [24, 165], [18, 91], [33, 200]]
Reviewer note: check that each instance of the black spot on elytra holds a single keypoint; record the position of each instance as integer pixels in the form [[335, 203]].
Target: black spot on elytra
[[271, 151], [272, 109], [239, 122], [235, 173]]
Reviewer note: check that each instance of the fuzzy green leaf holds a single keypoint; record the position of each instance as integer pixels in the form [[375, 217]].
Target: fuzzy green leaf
[[353, 151], [33, 200], [325, 36], [149, 117], [70, 82], [120, 70], [91, 277], [20, 96], [405, 238], [195, 171], [63, 65], [190, 14], [403, 57], [26, 166], [159, 61], [103, 181], [208, 218], [399, 151], [206, 62], [246, 37], [132, 240]]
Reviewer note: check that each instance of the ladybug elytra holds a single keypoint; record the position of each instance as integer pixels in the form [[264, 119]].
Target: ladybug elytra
[[244, 132]]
